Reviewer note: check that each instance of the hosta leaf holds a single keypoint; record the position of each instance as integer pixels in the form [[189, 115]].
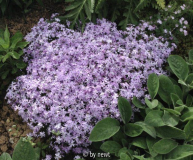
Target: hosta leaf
[[125, 109], [189, 130], [164, 146], [133, 130], [154, 118], [140, 142], [153, 85], [110, 146], [178, 66], [104, 129], [170, 132], [180, 152], [166, 87], [148, 129]]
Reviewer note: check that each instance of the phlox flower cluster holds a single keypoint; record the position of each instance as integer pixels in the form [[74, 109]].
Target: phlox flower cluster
[[74, 79]]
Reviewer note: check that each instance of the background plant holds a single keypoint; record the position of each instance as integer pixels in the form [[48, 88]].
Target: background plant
[[162, 128], [11, 64], [23, 6]]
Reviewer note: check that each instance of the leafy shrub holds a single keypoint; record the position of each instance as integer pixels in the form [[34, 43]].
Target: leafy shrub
[[11, 66], [121, 11], [7, 6], [163, 127], [73, 79], [23, 151]]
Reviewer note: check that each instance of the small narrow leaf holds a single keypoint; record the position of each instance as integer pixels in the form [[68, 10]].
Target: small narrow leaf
[[153, 85]]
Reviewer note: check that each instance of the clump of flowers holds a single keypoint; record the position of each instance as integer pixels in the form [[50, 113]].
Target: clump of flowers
[[74, 79]]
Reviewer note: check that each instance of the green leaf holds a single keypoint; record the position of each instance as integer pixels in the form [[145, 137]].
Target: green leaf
[[152, 104], [140, 142], [180, 152], [6, 57], [166, 87], [125, 109], [4, 75], [153, 85], [24, 151], [15, 55], [172, 111], [104, 129], [189, 130], [187, 116], [178, 66], [110, 146], [150, 142], [133, 130], [124, 156], [189, 79], [189, 100], [170, 119], [174, 99], [18, 36], [164, 146], [148, 129], [154, 118], [21, 45], [5, 156], [137, 103], [118, 136], [190, 54], [170, 132], [178, 91], [21, 65], [7, 36]]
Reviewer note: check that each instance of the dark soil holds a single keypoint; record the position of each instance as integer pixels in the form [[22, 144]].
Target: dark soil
[[11, 125]]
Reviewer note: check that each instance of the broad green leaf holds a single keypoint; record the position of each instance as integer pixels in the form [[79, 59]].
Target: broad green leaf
[[178, 66], [15, 55], [133, 130], [174, 99], [5, 156], [170, 119], [18, 36], [187, 116], [178, 91], [124, 156], [189, 79], [164, 146], [172, 111], [6, 57], [166, 87], [141, 157], [148, 129], [152, 104], [190, 54], [137, 103], [189, 130], [124, 142], [180, 152], [110, 146], [21, 65], [125, 109], [139, 142], [104, 129], [189, 100], [118, 136], [24, 151], [150, 142], [21, 45], [7, 36], [153, 85], [170, 132], [179, 109], [154, 118]]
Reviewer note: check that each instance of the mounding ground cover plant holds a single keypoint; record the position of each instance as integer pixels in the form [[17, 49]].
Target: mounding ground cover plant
[[162, 130], [74, 79]]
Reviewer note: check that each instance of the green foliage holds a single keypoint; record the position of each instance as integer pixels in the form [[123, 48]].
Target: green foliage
[[8, 6], [121, 11], [165, 127], [11, 64], [23, 151]]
